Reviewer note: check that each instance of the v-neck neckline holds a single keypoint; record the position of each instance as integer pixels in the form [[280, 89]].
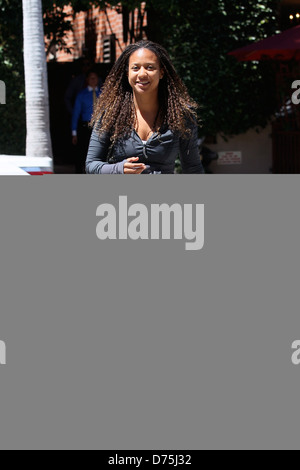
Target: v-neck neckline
[[146, 141]]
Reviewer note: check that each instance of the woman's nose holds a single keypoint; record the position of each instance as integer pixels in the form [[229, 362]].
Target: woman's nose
[[142, 72]]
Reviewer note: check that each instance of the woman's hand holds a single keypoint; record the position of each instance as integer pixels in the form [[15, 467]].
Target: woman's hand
[[132, 168]]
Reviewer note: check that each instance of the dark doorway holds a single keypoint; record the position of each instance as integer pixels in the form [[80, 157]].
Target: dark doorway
[[59, 77]]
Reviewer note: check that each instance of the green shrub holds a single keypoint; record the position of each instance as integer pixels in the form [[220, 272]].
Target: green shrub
[[12, 114]]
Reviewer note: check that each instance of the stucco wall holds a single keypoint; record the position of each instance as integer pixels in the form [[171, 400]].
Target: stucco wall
[[256, 152]]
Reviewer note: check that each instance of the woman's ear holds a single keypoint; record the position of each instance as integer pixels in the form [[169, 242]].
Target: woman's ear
[[162, 73]]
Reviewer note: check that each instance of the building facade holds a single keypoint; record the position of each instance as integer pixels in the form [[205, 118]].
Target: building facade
[[100, 34]]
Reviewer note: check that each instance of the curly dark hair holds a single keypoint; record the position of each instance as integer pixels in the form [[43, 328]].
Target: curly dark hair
[[115, 108]]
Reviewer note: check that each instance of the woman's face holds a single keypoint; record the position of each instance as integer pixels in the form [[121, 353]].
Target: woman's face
[[144, 71]]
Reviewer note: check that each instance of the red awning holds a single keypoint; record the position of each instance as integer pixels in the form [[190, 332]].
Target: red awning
[[283, 46]]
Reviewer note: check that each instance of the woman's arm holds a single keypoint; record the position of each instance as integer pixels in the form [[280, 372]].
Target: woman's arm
[[189, 152], [96, 161]]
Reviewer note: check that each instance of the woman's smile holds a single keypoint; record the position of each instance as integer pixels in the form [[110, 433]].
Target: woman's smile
[[143, 84]]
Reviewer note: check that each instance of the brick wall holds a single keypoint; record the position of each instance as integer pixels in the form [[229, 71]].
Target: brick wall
[[89, 29]]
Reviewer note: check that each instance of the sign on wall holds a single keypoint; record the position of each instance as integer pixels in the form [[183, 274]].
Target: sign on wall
[[230, 158]]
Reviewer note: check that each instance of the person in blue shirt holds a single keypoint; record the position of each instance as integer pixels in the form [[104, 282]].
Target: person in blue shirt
[[82, 113], [77, 83]]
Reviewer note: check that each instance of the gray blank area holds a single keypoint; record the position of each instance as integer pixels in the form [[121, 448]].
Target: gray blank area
[[141, 344]]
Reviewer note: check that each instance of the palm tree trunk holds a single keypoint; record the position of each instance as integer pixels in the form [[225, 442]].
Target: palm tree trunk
[[38, 141]]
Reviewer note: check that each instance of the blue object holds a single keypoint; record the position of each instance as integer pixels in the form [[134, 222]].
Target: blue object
[[83, 108]]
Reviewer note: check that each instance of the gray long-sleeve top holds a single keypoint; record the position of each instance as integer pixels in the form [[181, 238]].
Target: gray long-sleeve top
[[159, 152]]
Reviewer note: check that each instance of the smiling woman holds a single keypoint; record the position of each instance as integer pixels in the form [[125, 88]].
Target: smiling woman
[[144, 118]]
